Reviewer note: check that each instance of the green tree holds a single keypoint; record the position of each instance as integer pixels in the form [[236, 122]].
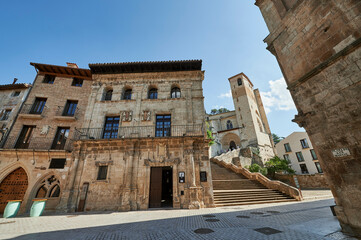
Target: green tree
[[257, 168], [277, 164], [209, 134], [276, 138], [218, 111]]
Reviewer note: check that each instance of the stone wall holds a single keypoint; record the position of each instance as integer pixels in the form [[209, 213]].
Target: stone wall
[[318, 46], [306, 181]]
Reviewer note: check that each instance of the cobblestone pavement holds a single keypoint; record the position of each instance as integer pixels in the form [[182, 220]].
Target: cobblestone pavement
[[293, 220]]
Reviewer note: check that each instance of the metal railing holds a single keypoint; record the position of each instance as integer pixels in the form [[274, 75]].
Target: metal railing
[[37, 143], [29, 109], [60, 111], [139, 132]]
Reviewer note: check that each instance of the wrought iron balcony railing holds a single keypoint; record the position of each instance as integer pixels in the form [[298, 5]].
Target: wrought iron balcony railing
[[139, 132], [34, 110], [38, 143], [65, 111]]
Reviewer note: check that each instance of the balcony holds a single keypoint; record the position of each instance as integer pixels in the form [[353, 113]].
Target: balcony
[[66, 114], [196, 130], [37, 143], [28, 111]]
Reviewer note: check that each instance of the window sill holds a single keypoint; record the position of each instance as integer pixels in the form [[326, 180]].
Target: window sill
[[65, 118], [119, 100], [31, 116], [101, 181]]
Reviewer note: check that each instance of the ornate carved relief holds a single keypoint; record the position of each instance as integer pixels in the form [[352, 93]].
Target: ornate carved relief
[[127, 116], [146, 115]]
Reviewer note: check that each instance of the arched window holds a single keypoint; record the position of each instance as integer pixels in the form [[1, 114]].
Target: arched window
[[108, 95], [239, 80], [41, 193], [229, 124], [153, 93], [55, 191], [175, 93], [127, 94]]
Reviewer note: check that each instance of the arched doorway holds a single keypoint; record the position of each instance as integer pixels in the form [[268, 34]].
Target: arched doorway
[[13, 187], [232, 145]]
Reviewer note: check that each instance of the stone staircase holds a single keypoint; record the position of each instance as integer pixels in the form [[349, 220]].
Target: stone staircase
[[230, 188]]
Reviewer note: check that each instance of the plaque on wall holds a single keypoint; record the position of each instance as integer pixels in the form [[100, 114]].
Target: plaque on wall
[[203, 176]]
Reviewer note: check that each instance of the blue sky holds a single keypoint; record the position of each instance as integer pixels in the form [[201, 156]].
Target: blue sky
[[226, 35]]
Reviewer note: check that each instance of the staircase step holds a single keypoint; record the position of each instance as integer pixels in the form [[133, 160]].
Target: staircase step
[[247, 196], [242, 199], [253, 202]]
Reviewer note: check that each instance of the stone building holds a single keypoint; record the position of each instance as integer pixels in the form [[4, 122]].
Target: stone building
[[317, 45], [246, 126], [142, 143], [12, 97], [298, 150], [36, 158]]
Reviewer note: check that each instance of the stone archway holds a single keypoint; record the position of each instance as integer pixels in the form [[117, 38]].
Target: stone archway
[[230, 140], [13, 187]]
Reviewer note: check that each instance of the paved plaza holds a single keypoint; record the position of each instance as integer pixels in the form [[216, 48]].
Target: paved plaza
[[311, 219]]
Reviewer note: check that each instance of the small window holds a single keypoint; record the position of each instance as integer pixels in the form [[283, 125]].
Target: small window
[[127, 94], [49, 79], [175, 93], [239, 81], [57, 163], [229, 124], [313, 154], [38, 106], [5, 115], [318, 166], [41, 193], [287, 147], [55, 191], [15, 94], [102, 173], [70, 108], [304, 143], [108, 95], [153, 93], [286, 157], [77, 82], [304, 169], [23, 141], [300, 157], [61, 136]]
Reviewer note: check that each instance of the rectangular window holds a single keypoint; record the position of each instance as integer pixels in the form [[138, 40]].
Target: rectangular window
[[49, 79], [70, 108], [304, 143], [318, 166], [286, 157], [300, 157], [38, 106], [15, 94], [163, 126], [111, 127], [77, 82], [24, 138], [304, 169], [61, 136], [102, 173], [313, 154], [57, 163], [5, 115], [287, 147]]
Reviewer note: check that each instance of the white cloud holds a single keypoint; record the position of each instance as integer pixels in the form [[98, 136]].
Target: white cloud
[[226, 95], [278, 98]]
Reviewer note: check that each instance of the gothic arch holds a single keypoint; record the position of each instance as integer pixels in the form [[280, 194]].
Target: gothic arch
[[228, 138]]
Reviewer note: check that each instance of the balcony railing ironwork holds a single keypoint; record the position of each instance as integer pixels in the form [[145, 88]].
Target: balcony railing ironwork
[[63, 111], [140, 132], [37, 143], [29, 109]]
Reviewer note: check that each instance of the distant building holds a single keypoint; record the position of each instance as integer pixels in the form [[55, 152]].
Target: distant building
[[246, 126], [12, 97], [297, 149]]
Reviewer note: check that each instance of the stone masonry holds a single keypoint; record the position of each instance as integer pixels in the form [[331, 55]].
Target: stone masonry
[[317, 45]]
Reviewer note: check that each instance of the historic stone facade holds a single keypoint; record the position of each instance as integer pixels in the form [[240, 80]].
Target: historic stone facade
[[39, 145], [317, 44], [246, 126], [12, 97], [143, 131]]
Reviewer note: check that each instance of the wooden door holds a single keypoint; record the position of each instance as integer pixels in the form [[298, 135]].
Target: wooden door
[[155, 190], [83, 195], [13, 187]]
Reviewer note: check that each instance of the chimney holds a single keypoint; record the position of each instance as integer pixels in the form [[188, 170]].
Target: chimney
[[15, 80], [72, 65]]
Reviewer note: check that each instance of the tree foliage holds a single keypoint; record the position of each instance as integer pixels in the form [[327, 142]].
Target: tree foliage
[[276, 138], [209, 134], [257, 168], [218, 111], [277, 164]]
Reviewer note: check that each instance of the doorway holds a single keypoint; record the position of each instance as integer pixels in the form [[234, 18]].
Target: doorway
[[161, 187]]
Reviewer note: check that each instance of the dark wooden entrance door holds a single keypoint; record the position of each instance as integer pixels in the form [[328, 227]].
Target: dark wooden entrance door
[[13, 187], [161, 187]]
